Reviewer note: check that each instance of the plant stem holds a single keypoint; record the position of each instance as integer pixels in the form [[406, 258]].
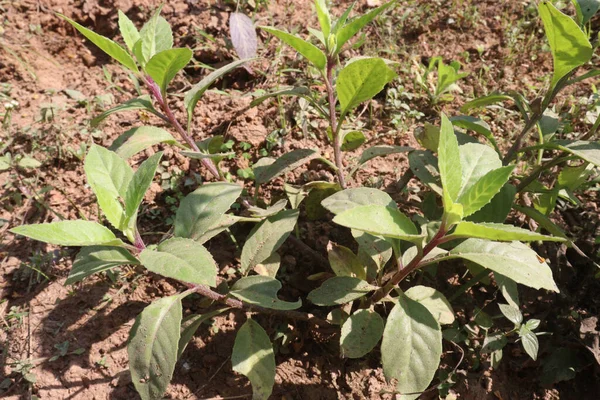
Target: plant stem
[[408, 269], [162, 102], [333, 123], [538, 171], [235, 303]]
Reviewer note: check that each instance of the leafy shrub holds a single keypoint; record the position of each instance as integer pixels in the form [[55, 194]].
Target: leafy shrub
[[474, 181]]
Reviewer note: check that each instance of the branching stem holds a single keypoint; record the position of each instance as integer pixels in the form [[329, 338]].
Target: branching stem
[[334, 123]]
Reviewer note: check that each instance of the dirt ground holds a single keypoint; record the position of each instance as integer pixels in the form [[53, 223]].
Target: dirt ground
[[62, 342]]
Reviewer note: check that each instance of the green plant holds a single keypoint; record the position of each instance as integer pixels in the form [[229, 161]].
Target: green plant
[[447, 76], [472, 179]]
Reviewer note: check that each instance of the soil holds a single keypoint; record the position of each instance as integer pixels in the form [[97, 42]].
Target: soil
[[42, 58]]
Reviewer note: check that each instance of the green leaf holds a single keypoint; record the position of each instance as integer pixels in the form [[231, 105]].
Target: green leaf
[[287, 162], [269, 267], [262, 291], [500, 232], [152, 346], [379, 220], [109, 176], [476, 125], [311, 52], [569, 44], [139, 103], [378, 151], [138, 139], [347, 31], [156, 36], [425, 167], [106, 45], [69, 233], [512, 313], [204, 208], [139, 184], [493, 342], [340, 290], [449, 163], [299, 91], [182, 259], [266, 238], [586, 9], [224, 223], [353, 140], [195, 93], [360, 333], [484, 190], [323, 16], [355, 197], [361, 81], [190, 325], [529, 341], [447, 76], [254, 358], [476, 161], [269, 211], [94, 259], [588, 151], [344, 262], [509, 289], [411, 347], [434, 301], [485, 101], [541, 219], [128, 30], [163, 66], [498, 208], [514, 260], [373, 251]]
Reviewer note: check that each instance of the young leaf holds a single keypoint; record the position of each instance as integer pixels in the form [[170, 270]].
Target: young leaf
[[361, 81], [139, 184], [499, 232], [354, 197], [254, 358], [434, 301], [139, 103], [243, 35], [484, 190], [202, 209], [307, 49], [152, 346], [350, 29], [262, 291], [514, 260], [569, 44], [287, 162], [106, 45], [94, 259], [379, 220], [109, 176], [340, 290], [447, 76], [138, 139], [513, 314], [163, 66], [476, 160], [156, 36], [344, 262], [529, 341], [411, 347], [498, 208], [484, 101], [266, 238], [449, 163], [128, 30], [324, 17], [360, 333], [494, 342], [181, 259], [190, 325], [69, 233]]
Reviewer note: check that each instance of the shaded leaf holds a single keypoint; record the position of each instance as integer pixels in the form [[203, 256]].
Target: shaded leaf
[[139, 184], [529, 341], [262, 291], [254, 358], [190, 325], [340, 290], [434, 301], [94, 259], [287, 162], [344, 262], [360, 333]]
